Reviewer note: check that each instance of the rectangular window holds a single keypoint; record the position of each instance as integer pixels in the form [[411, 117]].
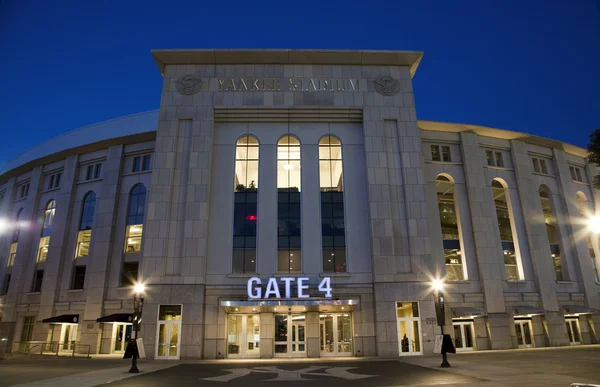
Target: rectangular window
[[333, 232], [543, 166], [97, 170], [129, 275], [536, 165], [37, 281], [578, 172], [146, 163], [83, 243], [435, 153], [78, 277], [43, 249], [24, 191], [288, 231], [5, 284], [244, 232], [446, 154], [489, 157], [136, 164], [54, 181], [499, 159], [89, 175], [27, 332], [133, 238], [51, 182], [573, 176], [12, 254]]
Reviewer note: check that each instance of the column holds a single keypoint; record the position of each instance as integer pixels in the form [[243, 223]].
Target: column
[[313, 345], [267, 335]]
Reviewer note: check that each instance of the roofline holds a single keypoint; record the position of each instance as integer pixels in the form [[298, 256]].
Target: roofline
[[165, 57], [485, 131]]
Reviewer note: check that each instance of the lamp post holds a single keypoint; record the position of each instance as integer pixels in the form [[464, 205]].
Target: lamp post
[[440, 313], [138, 306]]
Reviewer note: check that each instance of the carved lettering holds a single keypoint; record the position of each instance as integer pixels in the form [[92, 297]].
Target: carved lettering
[[354, 84], [220, 81], [243, 85], [255, 84], [293, 84]]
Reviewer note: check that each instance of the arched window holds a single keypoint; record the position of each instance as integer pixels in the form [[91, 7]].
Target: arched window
[[450, 229], [84, 236], [47, 227], [332, 205], [288, 205], [585, 213], [506, 232], [15, 239], [551, 231], [135, 219], [245, 211]]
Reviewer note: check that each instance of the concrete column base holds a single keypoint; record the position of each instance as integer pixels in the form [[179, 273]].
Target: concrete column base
[[499, 330], [556, 330], [7, 333], [90, 334], [313, 346], [267, 334]]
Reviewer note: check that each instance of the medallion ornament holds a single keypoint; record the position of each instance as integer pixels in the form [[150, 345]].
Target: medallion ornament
[[387, 86], [189, 84]]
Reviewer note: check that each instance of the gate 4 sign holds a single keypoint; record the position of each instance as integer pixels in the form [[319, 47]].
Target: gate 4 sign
[[255, 289]]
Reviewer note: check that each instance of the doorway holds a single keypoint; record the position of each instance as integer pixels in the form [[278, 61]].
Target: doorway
[[463, 335], [335, 334], [168, 332], [524, 333], [409, 328], [121, 336], [290, 335], [573, 330], [243, 335], [68, 336]]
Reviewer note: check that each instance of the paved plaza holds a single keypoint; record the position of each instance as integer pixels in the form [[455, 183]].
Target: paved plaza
[[532, 367]]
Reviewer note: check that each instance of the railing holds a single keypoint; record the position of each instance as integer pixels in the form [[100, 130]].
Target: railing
[[51, 348]]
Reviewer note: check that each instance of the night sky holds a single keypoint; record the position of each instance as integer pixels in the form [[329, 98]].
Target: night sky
[[527, 65]]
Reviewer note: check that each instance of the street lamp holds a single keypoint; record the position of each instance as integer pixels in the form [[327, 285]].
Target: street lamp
[[440, 313], [138, 306], [594, 224]]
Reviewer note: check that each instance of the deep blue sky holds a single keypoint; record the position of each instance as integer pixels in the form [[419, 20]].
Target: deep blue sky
[[526, 65]]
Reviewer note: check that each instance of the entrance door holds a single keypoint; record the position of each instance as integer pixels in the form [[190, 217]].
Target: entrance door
[[68, 336], [168, 332], [463, 335], [121, 336], [574, 331], [524, 333], [243, 335], [290, 335], [336, 335], [409, 328]]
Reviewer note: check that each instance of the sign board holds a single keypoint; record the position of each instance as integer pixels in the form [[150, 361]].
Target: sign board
[[437, 346], [140, 348], [271, 290]]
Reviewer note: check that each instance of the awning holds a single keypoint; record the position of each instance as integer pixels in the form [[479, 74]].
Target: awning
[[116, 317], [62, 319], [527, 311], [257, 306], [467, 312], [578, 309]]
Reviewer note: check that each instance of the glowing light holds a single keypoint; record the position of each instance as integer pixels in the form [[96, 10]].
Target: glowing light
[[594, 224], [437, 284], [288, 167], [139, 288], [3, 225], [251, 217]]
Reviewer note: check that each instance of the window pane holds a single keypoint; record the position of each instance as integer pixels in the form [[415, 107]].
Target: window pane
[[43, 249], [133, 238], [499, 159], [136, 164], [169, 312], [129, 274], [146, 163], [446, 153], [78, 277], [543, 166], [83, 243], [435, 153], [489, 157]]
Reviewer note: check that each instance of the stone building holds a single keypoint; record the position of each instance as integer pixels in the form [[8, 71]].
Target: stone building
[[287, 203]]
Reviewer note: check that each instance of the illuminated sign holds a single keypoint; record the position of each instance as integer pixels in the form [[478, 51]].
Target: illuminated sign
[[271, 290]]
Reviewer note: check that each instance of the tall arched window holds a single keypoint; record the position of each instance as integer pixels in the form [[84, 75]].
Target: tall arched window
[[551, 231], [15, 239], [332, 205], [135, 219], [585, 213], [450, 229], [288, 206], [47, 228], [245, 205], [86, 221], [506, 233]]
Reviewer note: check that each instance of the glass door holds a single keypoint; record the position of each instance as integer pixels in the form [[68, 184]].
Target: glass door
[[336, 335], [573, 331], [121, 337], [168, 332], [290, 335], [243, 335], [68, 336], [524, 333], [463, 335], [409, 328]]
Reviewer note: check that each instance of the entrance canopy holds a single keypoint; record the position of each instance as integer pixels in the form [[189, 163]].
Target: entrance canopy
[[62, 319], [577, 310], [321, 305], [116, 317], [528, 311], [468, 312]]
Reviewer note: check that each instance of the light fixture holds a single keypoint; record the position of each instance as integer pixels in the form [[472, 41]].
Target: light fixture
[[139, 288], [275, 309], [594, 224], [254, 309], [437, 284], [236, 309], [342, 308]]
